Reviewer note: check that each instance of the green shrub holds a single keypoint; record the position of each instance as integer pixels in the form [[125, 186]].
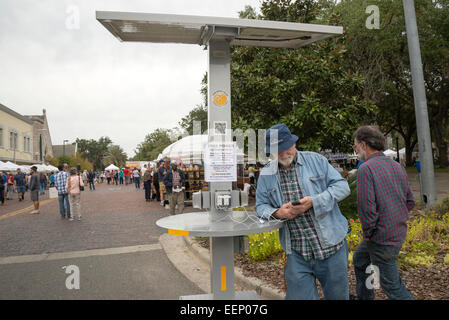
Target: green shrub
[[264, 245], [355, 236], [350, 256], [348, 206], [442, 208], [446, 259], [416, 259]]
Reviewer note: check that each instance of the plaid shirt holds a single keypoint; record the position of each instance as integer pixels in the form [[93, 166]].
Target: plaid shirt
[[384, 199], [60, 182], [303, 235]]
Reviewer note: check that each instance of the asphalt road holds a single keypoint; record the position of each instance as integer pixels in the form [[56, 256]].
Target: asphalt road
[[115, 248]]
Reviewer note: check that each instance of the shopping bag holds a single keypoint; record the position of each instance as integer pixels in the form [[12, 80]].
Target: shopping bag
[[53, 192]]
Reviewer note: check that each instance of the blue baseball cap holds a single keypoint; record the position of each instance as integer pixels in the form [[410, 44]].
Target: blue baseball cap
[[283, 140]]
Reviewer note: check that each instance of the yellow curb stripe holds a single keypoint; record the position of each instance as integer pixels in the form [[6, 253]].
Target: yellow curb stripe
[[223, 278], [178, 232], [14, 213]]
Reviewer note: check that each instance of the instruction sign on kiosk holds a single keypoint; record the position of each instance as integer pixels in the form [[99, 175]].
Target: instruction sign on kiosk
[[220, 162]]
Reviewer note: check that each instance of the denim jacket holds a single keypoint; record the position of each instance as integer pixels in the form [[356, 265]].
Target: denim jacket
[[317, 179]]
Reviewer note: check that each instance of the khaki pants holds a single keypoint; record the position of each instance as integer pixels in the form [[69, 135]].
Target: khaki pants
[[162, 190], [176, 198], [75, 205]]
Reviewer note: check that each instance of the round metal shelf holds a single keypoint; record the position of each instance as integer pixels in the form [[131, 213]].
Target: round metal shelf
[[238, 223]]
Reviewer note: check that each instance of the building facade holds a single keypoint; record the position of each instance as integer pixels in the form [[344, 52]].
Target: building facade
[[16, 137], [65, 149], [42, 145]]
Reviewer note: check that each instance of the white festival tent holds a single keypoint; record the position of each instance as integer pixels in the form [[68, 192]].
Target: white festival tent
[[393, 154], [111, 167], [6, 166], [42, 167], [51, 168], [190, 149], [10, 166], [390, 153]]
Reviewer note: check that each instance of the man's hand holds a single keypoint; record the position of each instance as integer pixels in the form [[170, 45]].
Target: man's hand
[[285, 212], [304, 205]]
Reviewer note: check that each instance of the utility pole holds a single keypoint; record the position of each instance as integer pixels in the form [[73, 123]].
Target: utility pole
[[428, 194]]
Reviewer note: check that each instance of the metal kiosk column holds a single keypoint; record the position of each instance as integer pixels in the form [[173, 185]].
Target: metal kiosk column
[[220, 223]]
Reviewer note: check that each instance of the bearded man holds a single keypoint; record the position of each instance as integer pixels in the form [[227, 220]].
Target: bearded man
[[303, 189], [384, 199]]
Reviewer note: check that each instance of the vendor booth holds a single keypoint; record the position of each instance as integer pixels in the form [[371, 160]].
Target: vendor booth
[[189, 154]]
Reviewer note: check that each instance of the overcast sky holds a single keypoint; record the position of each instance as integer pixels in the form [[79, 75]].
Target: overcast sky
[[91, 84]]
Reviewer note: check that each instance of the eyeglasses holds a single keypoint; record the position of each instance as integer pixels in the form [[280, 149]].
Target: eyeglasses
[[354, 146]]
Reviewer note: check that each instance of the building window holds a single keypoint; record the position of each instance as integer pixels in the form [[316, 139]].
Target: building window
[[26, 144], [13, 142], [1, 137]]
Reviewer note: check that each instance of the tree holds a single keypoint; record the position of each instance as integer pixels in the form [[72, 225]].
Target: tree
[[199, 113], [72, 161], [94, 150], [153, 144], [308, 89], [115, 155], [381, 56]]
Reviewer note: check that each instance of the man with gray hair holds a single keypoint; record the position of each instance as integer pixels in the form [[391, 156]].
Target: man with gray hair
[[303, 189], [384, 199]]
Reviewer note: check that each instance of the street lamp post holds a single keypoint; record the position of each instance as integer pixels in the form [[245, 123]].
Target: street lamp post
[[63, 147]]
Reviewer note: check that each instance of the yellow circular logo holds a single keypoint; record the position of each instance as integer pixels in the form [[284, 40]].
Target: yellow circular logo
[[220, 98]]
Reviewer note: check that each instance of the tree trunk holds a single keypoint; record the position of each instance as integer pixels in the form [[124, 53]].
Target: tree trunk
[[410, 144], [438, 130]]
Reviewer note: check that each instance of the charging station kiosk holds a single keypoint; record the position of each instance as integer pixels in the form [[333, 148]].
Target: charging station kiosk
[[224, 226]]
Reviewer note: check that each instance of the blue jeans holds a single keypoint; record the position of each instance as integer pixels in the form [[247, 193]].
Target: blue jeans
[[147, 186], [137, 182], [332, 273], [384, 258], [42, 188], [64, 204], [91, 185]]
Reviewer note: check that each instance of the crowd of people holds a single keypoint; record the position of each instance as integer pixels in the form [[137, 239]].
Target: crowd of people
[[14, 185], [163, 183]]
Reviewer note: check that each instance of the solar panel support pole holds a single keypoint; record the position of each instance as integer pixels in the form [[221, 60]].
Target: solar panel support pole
[[219, 81], [428, 194]]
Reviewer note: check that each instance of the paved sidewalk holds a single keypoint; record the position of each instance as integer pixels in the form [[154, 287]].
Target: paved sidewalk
[[115, 247], [441, 185]]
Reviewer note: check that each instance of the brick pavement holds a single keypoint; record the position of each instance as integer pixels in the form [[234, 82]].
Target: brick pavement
[[115, 219], [113, 216]]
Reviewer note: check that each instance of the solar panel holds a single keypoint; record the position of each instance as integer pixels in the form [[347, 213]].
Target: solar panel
[[170, 28]]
